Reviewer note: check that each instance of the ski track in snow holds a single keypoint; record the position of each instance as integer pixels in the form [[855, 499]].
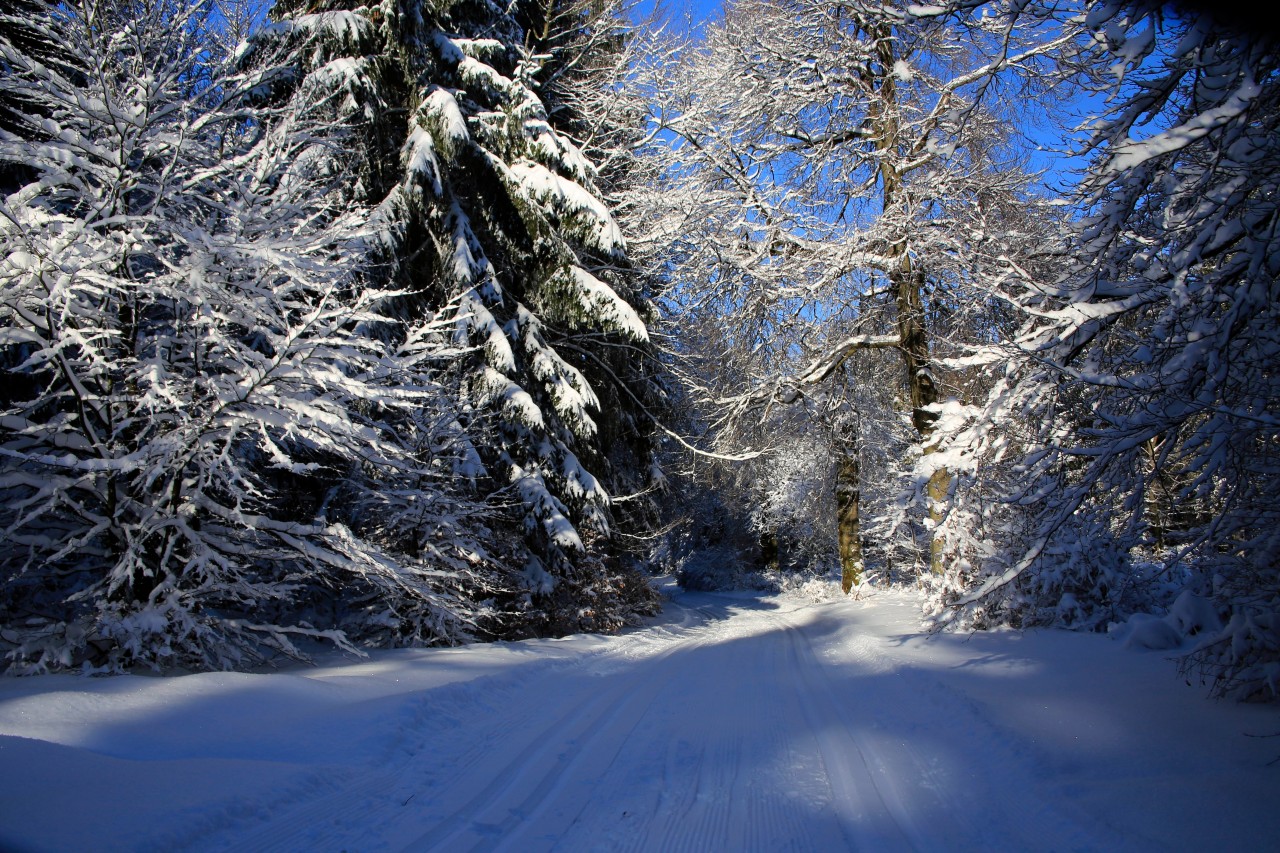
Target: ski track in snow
[[735, 723]]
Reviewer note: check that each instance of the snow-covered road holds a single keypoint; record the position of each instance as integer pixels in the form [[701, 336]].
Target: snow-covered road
[[732, 723]]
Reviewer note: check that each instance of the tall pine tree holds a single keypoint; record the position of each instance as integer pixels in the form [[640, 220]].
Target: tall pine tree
[[486, 209]]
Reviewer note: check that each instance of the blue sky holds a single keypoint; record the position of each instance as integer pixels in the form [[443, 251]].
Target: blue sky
[[700, 11], [697, 10]]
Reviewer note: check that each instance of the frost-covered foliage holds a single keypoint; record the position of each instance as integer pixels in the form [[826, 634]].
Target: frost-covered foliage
[[793, 508], [839, 193], [1149, 369], [736, 523], [486, 211], [214, 441]]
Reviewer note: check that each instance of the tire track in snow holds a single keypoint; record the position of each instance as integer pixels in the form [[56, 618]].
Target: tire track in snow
[[767, 818], [526, 788], [922, 811], [339, 817], [693, 822], [775, 820], [581, 743], [678, 792], [1026, 811], [728, 799], [868, 818]]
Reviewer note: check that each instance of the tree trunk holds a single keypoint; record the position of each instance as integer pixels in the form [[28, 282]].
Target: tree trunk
[[908, 284], [848, 521], [909, 287], [938, 490]]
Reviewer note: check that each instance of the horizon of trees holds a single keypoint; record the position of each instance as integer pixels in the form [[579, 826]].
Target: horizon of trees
[[427, 323]]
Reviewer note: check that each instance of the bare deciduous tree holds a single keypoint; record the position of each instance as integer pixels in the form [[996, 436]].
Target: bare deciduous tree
[[837, 182]]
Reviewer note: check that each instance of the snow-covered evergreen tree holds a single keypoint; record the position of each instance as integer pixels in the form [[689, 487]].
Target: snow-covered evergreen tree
[[486, 210], [214, 439]]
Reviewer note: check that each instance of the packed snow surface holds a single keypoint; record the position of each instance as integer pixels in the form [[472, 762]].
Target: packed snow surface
[[732, 722]]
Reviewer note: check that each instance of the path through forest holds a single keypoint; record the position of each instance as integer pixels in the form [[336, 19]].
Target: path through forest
[[731, 723]]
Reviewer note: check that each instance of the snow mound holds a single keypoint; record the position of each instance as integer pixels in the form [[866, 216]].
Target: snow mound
[[1190, 619]]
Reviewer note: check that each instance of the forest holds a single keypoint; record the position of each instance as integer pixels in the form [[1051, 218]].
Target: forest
[[428, 322]]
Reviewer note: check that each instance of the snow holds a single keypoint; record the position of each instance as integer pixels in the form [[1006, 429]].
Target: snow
[[420, 159], [441, 106], [600, 301], [349, 29], [570, 392], [732, 722], [1146, 631], [1133, 153], [475, 73], [925, 11], [514, 399], [1190, 620], [474, 316], [480, 48], [569, 198], [1192, 615], [556, 149]]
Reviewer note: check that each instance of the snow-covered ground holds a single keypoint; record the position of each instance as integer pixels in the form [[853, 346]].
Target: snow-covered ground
[[732, 722]]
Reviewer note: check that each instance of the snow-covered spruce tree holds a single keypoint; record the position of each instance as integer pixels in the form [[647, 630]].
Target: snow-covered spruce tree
[[829, 169], [590, 47], [487, 211], [1159, 344], [196, 408]]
